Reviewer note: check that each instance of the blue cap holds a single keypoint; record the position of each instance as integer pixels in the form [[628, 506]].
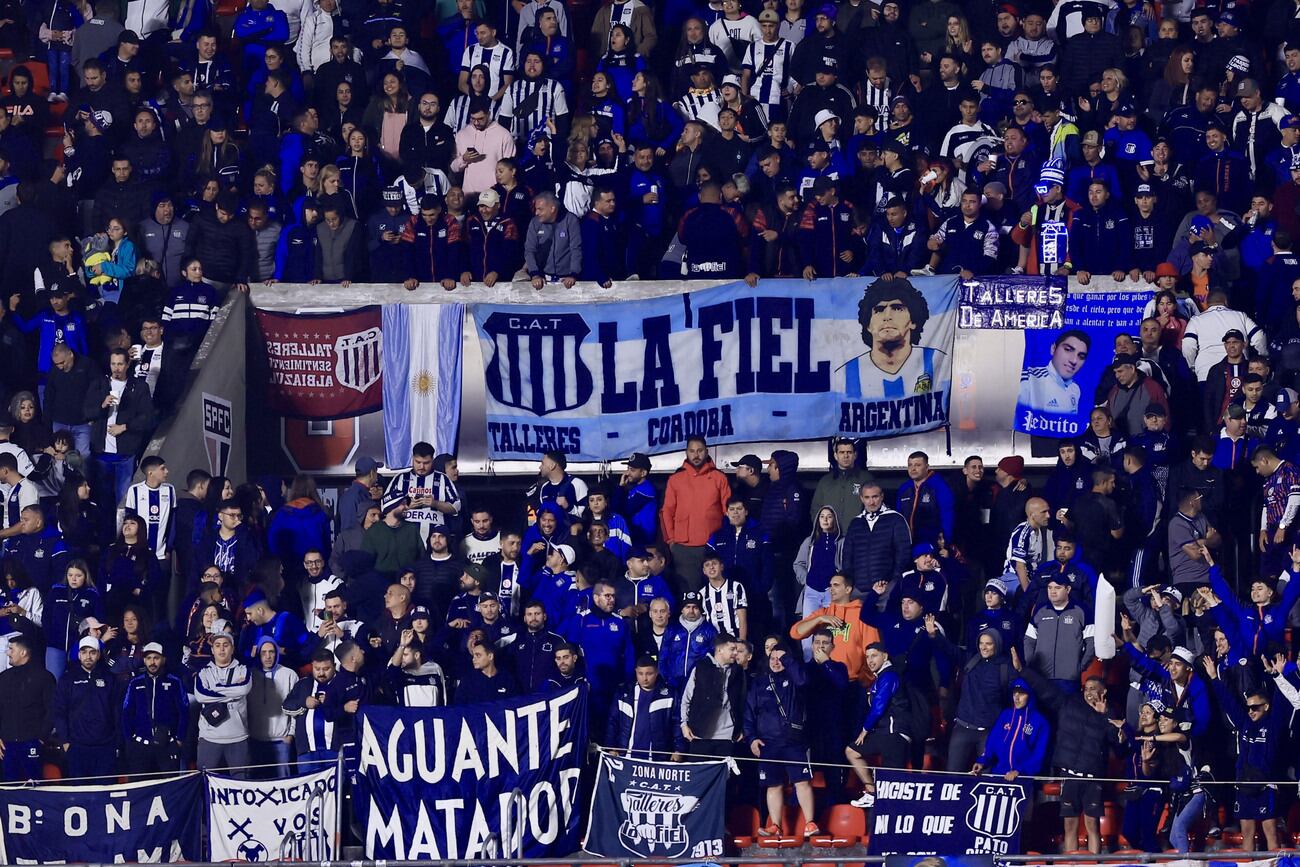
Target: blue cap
[[638, 553], [1289, 122], [920, 549]]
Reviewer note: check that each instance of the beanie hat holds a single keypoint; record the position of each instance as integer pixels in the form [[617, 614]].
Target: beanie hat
[[1053, 172]]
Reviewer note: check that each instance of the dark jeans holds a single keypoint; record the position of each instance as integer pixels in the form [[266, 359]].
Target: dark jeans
[[138, 758], [22, 761], [964, 747]]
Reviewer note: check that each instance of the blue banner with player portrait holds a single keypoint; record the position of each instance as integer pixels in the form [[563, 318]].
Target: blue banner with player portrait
[[1062, 366], [789, 360]]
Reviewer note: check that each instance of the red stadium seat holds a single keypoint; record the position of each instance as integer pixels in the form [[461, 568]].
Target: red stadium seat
[[845, 826], [742, 825], [51, 771]]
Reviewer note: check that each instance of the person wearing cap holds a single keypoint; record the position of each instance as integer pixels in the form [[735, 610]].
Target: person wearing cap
[[1284, 154], [826, 93], [221, 690], [1133, 393], [829, 242], [1222, 383], [1087, 51], [1058, 636], [636, 499], [775, 724], [410, 680], [1209, 337], [285, 628], [1051, 206], [925, 581], [644, 587], [84, 713], [438, 574], [767, 66], [686, 640], [390, 238], [1153, 234], [1283, 432], [745, 552], [493, 242], [1223, 172], [1261, 731], [997, 616], [155, 713]]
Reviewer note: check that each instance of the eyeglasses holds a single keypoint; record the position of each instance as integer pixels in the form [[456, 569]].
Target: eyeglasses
[[1255, 707]]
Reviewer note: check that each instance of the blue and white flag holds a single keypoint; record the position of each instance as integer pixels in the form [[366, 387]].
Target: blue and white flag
[[290, 819], [792, 360], [150, 823], [493, 780], [422, 377], [645, 809], [927, 814]]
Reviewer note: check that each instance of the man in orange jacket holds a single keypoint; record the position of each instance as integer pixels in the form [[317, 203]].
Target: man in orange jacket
[[843, 617], [694, 503]]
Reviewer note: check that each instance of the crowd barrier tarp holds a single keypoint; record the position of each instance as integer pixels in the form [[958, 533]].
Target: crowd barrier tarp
[[1062, 366], [422, 393], [483, 781], [322, 365], [921, 814], [292, 819], [790, 360], [150, 823], [645, 809], [1017, 303]]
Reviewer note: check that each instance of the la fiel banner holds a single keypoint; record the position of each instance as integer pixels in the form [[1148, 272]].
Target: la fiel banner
[[293, 819], [150, 823], [1062, 366], [322, 365], [1017, 303], [924, 814], [645, 809], [792, 360], [493, 780]]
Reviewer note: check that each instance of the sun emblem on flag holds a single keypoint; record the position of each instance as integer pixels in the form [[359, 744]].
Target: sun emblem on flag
[[424, 383]]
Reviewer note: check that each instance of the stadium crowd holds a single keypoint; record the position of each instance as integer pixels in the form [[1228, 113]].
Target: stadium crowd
[[199, 150]]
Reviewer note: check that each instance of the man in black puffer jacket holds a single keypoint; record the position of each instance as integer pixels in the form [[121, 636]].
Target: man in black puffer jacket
[[877, 544], [223, 243], [1085, 734]]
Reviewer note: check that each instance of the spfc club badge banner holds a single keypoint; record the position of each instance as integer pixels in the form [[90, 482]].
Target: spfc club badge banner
[[925, 814], [322, 365], [644, 809]]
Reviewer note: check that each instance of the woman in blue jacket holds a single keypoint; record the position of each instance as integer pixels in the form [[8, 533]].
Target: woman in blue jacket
[[120, 265], [70, 602]]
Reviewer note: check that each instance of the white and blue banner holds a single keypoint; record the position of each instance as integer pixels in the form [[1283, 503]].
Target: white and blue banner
[[790, 360], [422, 377], [494, 780], [1062, 366], [292, 819], [154, 822], [645, 809], [929, 814]]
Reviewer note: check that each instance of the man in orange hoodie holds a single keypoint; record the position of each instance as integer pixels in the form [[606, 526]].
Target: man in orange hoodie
[[694, 503], [843, 617]]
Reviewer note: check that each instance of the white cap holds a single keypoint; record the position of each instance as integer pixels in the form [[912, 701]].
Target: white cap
[[489, 198], [1184, 654], [152, 647], [824, 115], [92, 643], [567, 552], [220, 629], [733, 80]]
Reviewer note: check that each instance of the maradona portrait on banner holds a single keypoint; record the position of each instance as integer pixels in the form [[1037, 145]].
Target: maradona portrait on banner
[[893, 314]]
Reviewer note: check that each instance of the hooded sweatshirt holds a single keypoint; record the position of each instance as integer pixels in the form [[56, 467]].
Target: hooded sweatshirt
[[267, 720], [1018, 740], [231, 685], [783, 505], [850, 642]]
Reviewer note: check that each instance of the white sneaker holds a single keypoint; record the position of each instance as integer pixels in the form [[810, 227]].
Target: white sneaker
[[1016, 269], [927, 271], [53, 97], [58, 97], [864, 801]]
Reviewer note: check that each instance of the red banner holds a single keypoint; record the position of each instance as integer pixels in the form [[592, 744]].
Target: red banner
[[323, 366]]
